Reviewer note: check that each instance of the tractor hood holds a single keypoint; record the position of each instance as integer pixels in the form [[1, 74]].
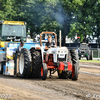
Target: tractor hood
[[58, 50], [59, 54]]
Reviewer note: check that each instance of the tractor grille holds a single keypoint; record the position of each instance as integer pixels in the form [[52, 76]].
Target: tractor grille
[[61, 59], [82, 51]]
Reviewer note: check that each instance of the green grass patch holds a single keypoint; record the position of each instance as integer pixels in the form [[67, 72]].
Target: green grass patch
[[90, 61]]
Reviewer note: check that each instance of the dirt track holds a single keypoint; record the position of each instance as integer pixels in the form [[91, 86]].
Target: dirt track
[[86, 87]]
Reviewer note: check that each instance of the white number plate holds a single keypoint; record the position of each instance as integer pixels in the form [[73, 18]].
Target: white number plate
[[61, 55]]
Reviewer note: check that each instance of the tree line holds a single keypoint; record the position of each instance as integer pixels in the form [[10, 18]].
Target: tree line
[[70, 16]]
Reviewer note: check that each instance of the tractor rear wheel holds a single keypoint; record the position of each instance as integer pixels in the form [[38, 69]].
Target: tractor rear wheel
[[36, 63], [75, 63], [25, 63], [44, 71], [91, 55], [87, 54]]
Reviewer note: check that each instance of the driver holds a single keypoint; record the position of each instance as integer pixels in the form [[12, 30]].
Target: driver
[[20, 46], [49, 45]]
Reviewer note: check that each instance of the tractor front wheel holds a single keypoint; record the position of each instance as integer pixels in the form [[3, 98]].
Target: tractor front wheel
[[44, 71]]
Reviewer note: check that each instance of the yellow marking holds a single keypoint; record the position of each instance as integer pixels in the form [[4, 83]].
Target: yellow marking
[[14, 22], [2, 44], [9, 57]]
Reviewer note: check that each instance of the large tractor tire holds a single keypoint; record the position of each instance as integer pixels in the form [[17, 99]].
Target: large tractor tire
[[88, 54], [25, 63], [91, 55], [75, 63], [44, 71], [63, 74], [36, 63]]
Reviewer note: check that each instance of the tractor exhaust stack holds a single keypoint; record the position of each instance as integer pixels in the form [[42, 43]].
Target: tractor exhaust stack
[[60, 38]]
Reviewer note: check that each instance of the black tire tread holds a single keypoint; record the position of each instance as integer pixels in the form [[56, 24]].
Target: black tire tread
[[91, 55], [75, 63], [44, 72], [27, 63], [36, 63]]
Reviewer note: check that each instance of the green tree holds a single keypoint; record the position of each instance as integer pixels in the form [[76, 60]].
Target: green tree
[[7, 11], [86, 20], [70, 16]]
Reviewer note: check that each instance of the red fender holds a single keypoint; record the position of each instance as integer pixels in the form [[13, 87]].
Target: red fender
[[69, 66], [62, 66]]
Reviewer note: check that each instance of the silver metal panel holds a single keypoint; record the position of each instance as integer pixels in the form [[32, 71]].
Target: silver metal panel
[[2, 55]]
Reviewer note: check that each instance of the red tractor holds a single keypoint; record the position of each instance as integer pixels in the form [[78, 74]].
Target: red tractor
[[60, 59]]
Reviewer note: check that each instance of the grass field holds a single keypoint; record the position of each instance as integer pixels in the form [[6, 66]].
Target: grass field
[[90, 61]]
